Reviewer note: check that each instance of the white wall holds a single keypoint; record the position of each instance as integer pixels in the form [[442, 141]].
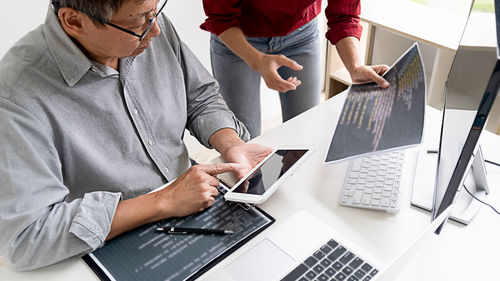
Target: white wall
[[17, 18]]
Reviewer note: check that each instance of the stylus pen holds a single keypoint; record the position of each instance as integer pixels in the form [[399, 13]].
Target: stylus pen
[[188, 230]]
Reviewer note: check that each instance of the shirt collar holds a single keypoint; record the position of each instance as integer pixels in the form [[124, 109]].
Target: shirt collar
[[72, 62]]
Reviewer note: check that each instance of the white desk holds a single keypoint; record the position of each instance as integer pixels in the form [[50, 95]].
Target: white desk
[[315, 188]]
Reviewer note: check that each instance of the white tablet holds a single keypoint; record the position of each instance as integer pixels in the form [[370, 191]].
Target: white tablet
[[264, 179]]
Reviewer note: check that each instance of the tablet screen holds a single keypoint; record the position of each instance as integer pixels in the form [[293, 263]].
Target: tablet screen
[[269, 172]]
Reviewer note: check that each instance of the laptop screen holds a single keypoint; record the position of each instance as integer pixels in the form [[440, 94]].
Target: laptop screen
[[471, 89]]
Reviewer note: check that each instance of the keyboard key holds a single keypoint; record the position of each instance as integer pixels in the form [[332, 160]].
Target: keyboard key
[[367, 278], [337, 266], [322, 277], [359, 273], [310, 261], [296, 273], [318, 268], [340, 276], [366, 199], [356, 165], [332, 243], [347, 270], [356, 199], [355, 263], [318, 255], [374, 271], [311, 274], [346, 258], [352, 278], [366, 267], [325, 262], [303, 279], [330, 271], [326, 249], [337, 253]]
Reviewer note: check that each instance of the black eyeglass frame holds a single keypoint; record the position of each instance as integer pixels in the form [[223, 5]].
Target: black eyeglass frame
[[145, 32]]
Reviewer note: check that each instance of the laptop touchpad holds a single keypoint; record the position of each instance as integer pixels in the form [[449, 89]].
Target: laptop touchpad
[[265, 261]]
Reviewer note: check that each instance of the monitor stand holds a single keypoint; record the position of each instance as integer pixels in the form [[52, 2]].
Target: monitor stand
[[465, 206]]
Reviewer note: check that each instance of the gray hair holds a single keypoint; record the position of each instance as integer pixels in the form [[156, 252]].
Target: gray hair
[[100, 11]]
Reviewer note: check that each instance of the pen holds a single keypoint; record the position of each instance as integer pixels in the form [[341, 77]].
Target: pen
[[188, 230]]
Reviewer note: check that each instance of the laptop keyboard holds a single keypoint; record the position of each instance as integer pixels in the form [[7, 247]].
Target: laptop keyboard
[[373, 182], [332, 262]]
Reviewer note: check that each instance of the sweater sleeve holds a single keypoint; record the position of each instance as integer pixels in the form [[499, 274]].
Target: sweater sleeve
[[343, 19], [221, 15]]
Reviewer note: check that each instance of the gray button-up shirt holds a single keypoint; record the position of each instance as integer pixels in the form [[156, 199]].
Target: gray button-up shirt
[[76, 136]]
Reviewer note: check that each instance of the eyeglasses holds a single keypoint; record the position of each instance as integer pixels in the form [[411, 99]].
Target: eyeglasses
[[151, 22]]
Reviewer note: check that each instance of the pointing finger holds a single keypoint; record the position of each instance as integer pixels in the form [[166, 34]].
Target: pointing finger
[[219, 168]]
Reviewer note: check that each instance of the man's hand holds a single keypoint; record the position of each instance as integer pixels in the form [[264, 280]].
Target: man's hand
[[267, 66], [364, 73], [247, 155], [194, 190]]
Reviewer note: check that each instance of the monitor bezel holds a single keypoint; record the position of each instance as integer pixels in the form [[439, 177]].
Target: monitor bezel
[[470, 146]]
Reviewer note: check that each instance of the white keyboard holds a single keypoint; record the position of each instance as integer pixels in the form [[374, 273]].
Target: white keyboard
[[373, 182]]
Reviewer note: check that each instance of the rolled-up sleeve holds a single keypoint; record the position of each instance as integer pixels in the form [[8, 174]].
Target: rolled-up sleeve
[[343, 19], [37, 226], [221, 15]]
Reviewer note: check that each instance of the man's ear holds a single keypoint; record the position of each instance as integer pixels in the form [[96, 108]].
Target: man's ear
[[73, 21]]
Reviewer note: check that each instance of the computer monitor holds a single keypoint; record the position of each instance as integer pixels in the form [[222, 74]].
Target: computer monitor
[[471, 89]]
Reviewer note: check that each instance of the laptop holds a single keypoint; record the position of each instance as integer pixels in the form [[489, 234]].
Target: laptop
[[291, 251]]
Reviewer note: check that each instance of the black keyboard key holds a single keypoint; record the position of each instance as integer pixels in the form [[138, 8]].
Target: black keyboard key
[[359, 273], [310, 261], [347, 270], [332, 243], [366, 267], [326, 249], [337, 253], [303, 279], [367, 278], [352, 278], [311, 274], [296, 273], [337, 266], [322, 277], [325, 262], [356, 263], [318, 255], [318, 268], [347, 257], [330, 271], [374, 271], [340, 276]]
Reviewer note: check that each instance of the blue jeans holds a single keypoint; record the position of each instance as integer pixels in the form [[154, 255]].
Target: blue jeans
[[240, 85]]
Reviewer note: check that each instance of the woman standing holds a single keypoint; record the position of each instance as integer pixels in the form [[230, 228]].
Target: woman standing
[[278, 40]]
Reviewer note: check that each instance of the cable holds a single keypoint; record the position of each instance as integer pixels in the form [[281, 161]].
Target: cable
[[492, 163], [480, 200], [431, 151]]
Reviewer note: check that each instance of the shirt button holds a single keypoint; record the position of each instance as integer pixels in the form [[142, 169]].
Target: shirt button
[[136, 112], [150, 142], [167, 170]]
